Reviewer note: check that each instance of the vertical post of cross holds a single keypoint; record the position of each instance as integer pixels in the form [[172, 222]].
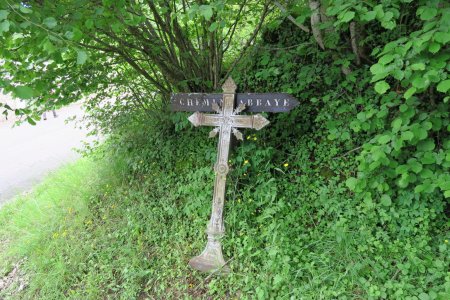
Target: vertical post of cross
[[212, 258]]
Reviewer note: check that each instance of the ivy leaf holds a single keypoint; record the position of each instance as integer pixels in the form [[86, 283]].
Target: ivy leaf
[[443, 86], [81, 57], [381, 87], [50, 22]]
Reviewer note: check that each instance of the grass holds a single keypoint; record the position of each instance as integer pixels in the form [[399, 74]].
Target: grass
[[42, 224], [94, 231]]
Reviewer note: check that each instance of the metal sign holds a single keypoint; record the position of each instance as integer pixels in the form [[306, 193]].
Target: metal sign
[[254, 102], [225, 121]]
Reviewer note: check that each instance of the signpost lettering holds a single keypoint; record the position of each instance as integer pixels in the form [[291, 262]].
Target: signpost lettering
[[225, 121]]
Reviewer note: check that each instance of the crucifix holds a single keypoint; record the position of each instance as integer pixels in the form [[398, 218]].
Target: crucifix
[[225, 121]]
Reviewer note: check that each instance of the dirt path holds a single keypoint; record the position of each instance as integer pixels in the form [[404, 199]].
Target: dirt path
[[28, 153]]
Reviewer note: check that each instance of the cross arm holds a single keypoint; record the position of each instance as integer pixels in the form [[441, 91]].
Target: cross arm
[[255, 121], [201, 119]]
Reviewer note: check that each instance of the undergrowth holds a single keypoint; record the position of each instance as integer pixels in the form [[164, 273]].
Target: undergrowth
[[125, 226], [342, 198]]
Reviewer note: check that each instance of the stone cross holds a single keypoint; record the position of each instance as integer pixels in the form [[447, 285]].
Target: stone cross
[[226, 121]]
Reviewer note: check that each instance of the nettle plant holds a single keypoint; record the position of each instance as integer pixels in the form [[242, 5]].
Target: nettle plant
[[411, 150]]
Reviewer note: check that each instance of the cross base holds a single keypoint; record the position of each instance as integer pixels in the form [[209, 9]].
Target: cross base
[[211, 259]]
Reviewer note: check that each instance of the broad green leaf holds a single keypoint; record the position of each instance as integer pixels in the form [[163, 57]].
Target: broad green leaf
[[396, 124], [369, 16], [4, 26], [401, 169], [3, 14], [213, 26], [81, 57], [388, 24], [348, 16], [377, 69], [206, 11], [443, 86], [426, 145], [50, 22], [428, 158], [403, 181], [381, 87], [424, 296], [418, 66], [49, 47], [442, 37], [25, 10], [31, 121], [407, 135], [351, 183], [386, 200], [428, 13], [385, 59], [414, 165], [89, 24], [434, 47], [409, 92], [24, 92], [384, 139], [420, 133], [419, 82]]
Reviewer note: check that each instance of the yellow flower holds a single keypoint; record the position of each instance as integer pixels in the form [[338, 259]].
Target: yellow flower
[[255, 138], [248, 137], [245, 162], [286, 165], [55, 235], [64, 233], [446, 241], [239, 200]]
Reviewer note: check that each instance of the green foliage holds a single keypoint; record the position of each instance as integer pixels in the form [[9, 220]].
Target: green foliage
[[343, 198], [121, 49]]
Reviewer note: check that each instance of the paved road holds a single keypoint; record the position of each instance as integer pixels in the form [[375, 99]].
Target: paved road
[[28, 153]]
